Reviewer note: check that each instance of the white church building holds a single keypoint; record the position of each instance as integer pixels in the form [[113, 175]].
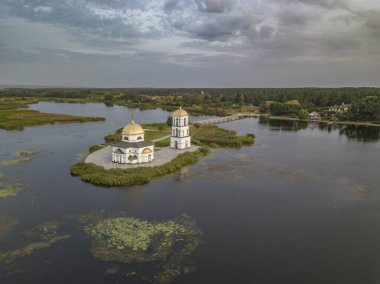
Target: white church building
[[132, 149], [180, 138]]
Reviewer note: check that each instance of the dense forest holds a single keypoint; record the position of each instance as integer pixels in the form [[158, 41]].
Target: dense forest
[[365, 102]]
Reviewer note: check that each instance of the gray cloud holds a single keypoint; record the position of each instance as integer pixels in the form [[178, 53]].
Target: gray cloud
[[202, 35], [214, 6]]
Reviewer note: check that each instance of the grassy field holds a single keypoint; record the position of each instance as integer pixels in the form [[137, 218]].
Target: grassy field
[[119, 177], [14, 116], [216, 137]]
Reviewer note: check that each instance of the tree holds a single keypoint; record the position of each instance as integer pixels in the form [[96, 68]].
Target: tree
[[365, 109], [303, 114], [169, 121]]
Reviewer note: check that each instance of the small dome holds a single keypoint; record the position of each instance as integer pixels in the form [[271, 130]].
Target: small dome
[[180, 112], [147, 151], [132, 129]]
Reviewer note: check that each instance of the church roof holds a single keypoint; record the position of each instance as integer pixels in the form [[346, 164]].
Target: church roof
[[180, 112], [132, 129], [126, 145]]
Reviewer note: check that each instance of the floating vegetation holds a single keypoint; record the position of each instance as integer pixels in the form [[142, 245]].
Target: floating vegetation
[[131, 240], [44, 231], [6, 224], [14, 162], [23, 153], [8, 257], [359, 188], [42, 236], [24, 157], [7, 190], [112, 270]]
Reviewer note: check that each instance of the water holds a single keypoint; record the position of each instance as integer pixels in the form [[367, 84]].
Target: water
[[302, 206]]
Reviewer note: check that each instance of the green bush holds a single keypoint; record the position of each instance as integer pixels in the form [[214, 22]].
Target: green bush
[[94, 148]]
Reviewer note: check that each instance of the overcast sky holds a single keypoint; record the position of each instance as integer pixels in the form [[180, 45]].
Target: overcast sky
[[190, 43]]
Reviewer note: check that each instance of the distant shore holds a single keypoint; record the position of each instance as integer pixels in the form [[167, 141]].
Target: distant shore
[[325, 121]]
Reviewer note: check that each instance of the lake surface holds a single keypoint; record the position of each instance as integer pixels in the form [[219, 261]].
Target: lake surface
[[301, 206]]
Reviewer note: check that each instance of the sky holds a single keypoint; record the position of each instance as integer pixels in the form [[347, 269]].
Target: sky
[[190, 43]]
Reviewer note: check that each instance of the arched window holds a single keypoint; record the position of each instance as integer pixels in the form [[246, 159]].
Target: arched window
[[139, 138], [125, 138], [188, 132], [184, 121], [177, 121]]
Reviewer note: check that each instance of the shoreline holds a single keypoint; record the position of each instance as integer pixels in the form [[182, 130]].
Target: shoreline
[[357, 123]]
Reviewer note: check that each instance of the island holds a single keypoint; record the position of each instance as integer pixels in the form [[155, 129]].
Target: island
[[129, 158]]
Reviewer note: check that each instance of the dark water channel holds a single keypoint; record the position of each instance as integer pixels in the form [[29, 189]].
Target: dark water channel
[[301, 206]]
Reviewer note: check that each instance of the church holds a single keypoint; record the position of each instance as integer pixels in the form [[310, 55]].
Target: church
[[133, 149]]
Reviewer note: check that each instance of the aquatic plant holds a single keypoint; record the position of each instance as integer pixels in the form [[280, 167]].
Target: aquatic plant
[[23, 153], [132, 240], [8, 257], [6, 224], [7, 190], [44, 231], [14, 162]]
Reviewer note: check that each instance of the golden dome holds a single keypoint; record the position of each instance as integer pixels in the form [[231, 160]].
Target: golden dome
[[180, 112], [132, 129], [146, 151]]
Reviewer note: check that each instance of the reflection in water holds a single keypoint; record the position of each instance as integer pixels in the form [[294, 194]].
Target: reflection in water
[[357, 132], [284, 125], [182, 174]]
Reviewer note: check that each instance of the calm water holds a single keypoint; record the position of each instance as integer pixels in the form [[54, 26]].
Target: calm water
[[302, 206]]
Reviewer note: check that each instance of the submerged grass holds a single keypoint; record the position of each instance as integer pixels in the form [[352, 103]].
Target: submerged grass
[[8, 257], [6, 224], [122, 177]]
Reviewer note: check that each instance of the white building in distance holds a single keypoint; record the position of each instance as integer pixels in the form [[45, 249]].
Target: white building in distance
[[132, 149], [180, 138]]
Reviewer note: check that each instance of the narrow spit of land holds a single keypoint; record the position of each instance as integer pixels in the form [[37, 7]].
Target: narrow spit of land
[[14, 115]]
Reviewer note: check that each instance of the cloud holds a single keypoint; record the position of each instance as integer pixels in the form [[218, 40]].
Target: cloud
[[214, 6], [196, 34]]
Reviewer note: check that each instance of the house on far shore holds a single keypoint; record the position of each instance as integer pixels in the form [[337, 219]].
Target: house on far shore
[[339, 108], [314, 115]]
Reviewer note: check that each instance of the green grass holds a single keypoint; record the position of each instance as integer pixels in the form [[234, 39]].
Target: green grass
[[215, 137], [162, 143], [14, 118], [122, 177], [95, 148]]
